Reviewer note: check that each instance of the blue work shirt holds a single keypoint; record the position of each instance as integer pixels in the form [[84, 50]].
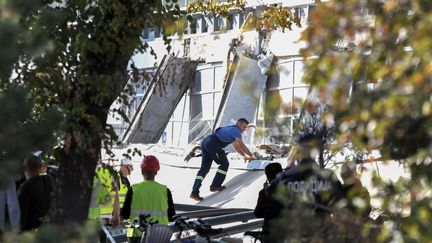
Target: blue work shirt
[[228, 134]]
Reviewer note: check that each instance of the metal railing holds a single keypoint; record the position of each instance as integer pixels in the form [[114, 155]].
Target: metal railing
[[230, 218], [240, 228], [213, 212]]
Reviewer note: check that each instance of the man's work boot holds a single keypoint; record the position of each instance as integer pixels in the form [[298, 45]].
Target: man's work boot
[[217, 188], [196, 197]]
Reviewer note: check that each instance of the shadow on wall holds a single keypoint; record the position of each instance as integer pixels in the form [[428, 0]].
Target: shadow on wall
[[233, 188]]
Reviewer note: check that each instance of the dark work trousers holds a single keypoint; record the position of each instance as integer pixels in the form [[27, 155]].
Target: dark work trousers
[[212, 150]]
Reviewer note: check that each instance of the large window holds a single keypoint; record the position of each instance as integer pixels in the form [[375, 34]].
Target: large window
[[195, 113], [285, 96], [205, 98]]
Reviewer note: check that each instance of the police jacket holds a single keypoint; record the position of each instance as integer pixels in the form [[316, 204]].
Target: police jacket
[[305, 184]]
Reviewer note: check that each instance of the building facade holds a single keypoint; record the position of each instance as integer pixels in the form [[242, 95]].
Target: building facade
[[210, 40]]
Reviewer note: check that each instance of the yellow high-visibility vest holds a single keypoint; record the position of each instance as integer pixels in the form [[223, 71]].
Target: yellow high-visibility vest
[[149, 197], [100, 202]]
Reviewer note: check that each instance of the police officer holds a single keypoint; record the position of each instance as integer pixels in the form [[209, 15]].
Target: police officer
[[148, 197], [271, 171], [305, 186], [212, 150]]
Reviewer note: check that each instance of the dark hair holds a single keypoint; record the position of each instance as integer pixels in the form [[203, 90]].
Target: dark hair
[[33, 163], [243, 120], [271, 170], [307, 137]]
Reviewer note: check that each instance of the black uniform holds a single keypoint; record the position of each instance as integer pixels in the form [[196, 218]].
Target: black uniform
[[262, 203], [307, 185], [35, 196]]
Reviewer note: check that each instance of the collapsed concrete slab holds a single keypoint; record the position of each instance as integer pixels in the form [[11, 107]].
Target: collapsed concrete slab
[[170, 83], [242, 92]]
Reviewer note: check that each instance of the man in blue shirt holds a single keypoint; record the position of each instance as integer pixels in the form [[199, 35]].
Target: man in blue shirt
[[212, 150]]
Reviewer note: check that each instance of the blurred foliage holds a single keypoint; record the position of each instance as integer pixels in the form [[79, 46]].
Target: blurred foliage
[[23, 132], [312, 122], [26, 125], [72, 233], [214, 7], [372, 62], [272, 18], [305, 226], [277, 17]]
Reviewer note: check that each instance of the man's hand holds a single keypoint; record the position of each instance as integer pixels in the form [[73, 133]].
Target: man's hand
[[248, 158], [115, 220]]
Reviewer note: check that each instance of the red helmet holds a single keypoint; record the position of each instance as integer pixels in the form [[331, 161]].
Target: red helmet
[[150, 164]]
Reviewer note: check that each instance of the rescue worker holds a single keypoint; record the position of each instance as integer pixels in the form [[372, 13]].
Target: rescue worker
[[305, 189], [125, 170], [148, 197], [212, 150], [104, 202], [107, 209]]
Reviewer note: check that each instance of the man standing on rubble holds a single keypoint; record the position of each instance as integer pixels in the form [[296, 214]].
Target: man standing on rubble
[[212, 150]]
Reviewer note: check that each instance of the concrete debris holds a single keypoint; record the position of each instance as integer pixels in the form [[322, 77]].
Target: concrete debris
[[193, 153], [170, 83]]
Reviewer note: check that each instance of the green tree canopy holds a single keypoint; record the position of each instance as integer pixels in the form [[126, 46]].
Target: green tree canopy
[[26, 126], [69, 58]]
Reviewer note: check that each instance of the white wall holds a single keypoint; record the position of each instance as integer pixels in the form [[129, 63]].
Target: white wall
[[212, 47]]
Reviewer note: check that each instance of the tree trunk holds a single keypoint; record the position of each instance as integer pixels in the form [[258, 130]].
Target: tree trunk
[[74, 186], [79, 156]]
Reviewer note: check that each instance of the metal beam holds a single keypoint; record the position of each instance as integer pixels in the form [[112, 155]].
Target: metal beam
[[235, 217], [188, 207], [215, 212], [240, 228]]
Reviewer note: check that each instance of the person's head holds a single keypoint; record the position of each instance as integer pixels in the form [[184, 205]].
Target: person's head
[[242, 123], [271, 170], [307, 145], [32, 166], [126, 166], [149, 167]]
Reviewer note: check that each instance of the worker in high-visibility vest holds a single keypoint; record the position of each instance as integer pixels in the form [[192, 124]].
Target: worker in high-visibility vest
[[102, 199], [148, 197], [112, 209], [125, 170], [123, 186], [105, 196]]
